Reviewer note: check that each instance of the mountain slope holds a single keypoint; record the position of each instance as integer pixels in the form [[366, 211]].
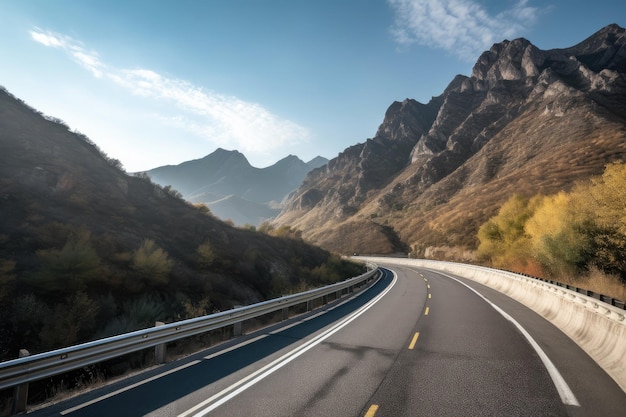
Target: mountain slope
[[88, 251], [525, 121], [223, 174]]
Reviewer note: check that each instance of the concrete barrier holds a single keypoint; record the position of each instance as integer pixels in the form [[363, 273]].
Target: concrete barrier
[[598, 328]]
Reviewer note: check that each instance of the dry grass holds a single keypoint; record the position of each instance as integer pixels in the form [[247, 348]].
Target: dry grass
[[599, 283]]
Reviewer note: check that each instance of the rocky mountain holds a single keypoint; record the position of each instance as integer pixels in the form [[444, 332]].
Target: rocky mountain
[[88, 251], [526, 121], [232, 188]]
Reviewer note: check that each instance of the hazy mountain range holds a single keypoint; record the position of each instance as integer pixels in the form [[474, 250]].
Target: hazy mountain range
[[525, 121], [232, 188]]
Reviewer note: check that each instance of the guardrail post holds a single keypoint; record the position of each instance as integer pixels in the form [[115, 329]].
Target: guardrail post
[[237, 327], [159, 350], [20, 393], [285, 313]]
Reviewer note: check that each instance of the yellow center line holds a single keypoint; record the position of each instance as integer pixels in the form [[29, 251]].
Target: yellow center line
[[414, 341], [428, 286], [427, 311], [372, 411], [430, 296]]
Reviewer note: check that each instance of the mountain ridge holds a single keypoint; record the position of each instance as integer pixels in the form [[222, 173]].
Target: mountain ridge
[[521, 104], [89, 251], [211, 180]]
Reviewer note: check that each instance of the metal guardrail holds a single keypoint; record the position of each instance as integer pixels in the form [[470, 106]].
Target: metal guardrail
[[42, 365], [598, 296]]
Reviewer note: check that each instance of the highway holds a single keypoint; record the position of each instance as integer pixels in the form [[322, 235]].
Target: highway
[[418, 343]]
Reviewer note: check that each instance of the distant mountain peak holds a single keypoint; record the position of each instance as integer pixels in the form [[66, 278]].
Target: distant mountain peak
[[221, 153], [225, 173]]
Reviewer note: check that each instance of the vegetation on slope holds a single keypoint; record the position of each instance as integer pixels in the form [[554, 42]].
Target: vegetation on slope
[[564, 235], [87, 251]]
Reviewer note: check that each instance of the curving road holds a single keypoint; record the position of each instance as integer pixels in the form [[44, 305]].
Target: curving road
[[418, 343]]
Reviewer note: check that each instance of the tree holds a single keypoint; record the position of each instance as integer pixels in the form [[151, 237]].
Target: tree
[[557, 234], [608, 195], [205, 255], [608, 204], [288, 232], [503, 239], [70, 268], [566, 233], [71, 322], [151, 264]]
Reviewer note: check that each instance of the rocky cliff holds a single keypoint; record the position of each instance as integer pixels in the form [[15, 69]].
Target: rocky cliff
[[526, 121]]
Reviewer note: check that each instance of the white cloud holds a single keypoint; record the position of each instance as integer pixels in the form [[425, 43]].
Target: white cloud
[[223, 120], [461, 27], [88, 59]]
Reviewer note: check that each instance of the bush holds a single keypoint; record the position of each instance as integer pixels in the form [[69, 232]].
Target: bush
[[68, 269], [151, 265], [566, 233]]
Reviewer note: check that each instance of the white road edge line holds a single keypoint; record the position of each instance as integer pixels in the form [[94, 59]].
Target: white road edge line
[[237, 388], [567, 396]]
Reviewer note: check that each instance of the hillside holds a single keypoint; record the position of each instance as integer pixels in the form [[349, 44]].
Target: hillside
[[232, 188], [526, 121], [88, 251]]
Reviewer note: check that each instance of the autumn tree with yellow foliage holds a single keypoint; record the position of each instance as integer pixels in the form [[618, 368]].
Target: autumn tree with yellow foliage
[[564, 234]]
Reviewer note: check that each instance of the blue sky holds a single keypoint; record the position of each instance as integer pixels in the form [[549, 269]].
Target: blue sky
[[155, 82]]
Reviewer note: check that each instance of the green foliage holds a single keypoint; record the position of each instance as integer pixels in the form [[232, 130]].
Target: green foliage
[[287, 232], [151, 265], [196, 309], [172, 192], [205, 255], [334, 270], [70, 322], [145, 310], [67, 269], [137, 313]]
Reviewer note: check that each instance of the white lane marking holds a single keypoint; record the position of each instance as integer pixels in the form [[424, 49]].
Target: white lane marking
[[567, 396], [235, 347], [171, 371], [237, 388], [121, 390]]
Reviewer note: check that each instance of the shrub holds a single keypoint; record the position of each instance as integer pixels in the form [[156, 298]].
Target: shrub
[[151, 264], [67, 269]]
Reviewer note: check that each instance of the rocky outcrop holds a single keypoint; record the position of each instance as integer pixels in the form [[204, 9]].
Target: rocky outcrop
[[520, 106]]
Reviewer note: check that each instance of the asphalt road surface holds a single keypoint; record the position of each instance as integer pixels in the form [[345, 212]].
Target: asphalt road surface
[[418, 343]]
